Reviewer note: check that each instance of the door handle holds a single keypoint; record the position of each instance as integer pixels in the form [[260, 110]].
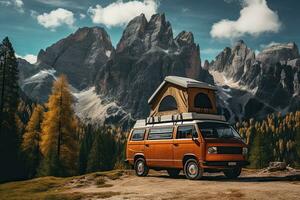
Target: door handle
[[176, 145], [147, 145]]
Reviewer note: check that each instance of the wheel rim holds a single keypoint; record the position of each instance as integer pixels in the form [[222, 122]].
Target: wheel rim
[[192, 170], [140, 167]]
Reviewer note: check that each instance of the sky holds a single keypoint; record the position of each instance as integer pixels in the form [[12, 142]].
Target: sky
[[32, 25]]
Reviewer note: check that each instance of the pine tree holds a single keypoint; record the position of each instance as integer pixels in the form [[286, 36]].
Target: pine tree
[[9, 139], [102, 156], [95, 157], [85, 148], [261, 151], [59, 143], [31, 141]]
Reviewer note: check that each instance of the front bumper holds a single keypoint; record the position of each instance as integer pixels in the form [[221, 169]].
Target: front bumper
[[226, 163]]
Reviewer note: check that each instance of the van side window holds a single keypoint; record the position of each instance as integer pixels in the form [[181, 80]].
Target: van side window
[[138, 134], [186, 132], [160, 133]]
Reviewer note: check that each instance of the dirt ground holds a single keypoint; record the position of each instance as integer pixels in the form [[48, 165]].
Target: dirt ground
[[252, 184]]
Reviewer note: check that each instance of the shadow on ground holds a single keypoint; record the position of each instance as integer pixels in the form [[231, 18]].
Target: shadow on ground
[[240, 179]]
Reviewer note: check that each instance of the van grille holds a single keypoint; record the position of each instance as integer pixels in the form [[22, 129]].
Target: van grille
[[229, 150]]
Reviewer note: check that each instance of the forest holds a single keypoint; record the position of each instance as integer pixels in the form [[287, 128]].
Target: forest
[[49, 139]]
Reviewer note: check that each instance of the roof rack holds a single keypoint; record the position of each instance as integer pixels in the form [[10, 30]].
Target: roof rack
[[178, 117]]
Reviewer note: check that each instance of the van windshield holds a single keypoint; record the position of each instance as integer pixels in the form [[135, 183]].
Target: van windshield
[[217, 130]]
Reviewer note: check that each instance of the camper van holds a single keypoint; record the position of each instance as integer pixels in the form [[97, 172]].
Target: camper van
[[184, 132]]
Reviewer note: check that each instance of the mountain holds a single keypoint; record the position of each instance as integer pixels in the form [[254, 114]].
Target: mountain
[[113, 84], [256, 85], [146, 53]]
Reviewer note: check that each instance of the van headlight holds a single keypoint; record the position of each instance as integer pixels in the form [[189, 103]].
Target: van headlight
[[245, 151], [212, 150]]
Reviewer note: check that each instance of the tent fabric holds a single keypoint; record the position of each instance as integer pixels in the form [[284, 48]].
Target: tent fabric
[[178, 93], [185, 99]]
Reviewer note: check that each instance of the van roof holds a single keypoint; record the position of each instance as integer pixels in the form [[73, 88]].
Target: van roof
[[142, 123], [181, 118], [183, 82]]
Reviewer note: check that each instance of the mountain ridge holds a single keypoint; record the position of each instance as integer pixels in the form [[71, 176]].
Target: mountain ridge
[[146, 53]]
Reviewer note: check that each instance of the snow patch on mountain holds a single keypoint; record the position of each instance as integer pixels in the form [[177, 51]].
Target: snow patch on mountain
[[107, 53], [40, 76], [221, 80], [93, 108]]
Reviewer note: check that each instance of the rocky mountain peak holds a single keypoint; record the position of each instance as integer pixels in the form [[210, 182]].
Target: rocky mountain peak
[[279, 52], [184, 38], [234, 62], [78, 55], [140, 35]]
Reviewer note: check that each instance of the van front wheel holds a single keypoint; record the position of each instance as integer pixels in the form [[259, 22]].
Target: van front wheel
[[192, 170], [233, 173], [140, 167], [173, 172]]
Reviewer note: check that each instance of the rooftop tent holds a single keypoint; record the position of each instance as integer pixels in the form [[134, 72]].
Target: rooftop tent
[[180, 95]]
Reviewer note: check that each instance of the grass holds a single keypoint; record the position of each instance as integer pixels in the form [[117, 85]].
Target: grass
[[54, 188]]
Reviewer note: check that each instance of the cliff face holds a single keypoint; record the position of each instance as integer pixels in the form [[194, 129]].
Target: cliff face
[[79, 56], [124, 77], [259, 84], [114, 84], [146, 53]]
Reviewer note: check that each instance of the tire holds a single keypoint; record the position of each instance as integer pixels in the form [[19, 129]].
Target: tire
[[140, 167], [233, 173], [173, 172], [192, 170]]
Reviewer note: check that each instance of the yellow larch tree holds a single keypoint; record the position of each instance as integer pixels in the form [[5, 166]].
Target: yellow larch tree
[[31, 140], [59, 144]]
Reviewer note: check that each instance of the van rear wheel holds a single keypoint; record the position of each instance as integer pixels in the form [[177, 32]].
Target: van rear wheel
[[140, 167], [233, 173], [192, 170], [173, 172]]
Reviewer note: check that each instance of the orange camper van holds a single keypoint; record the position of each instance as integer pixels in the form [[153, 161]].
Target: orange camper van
[[184, 132]]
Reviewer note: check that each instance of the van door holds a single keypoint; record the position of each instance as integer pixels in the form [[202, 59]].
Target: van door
[[159, 147], [135, 144], [184, 144]]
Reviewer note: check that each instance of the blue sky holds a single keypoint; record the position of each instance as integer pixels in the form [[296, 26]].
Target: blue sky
[[32, 25]]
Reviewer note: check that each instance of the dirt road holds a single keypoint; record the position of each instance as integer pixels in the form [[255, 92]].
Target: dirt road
[[157, 185]]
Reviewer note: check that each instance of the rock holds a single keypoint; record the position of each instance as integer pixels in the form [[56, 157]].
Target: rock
[[277, 166], [79, 56], [234, 62], [269, 81], [278, 52]]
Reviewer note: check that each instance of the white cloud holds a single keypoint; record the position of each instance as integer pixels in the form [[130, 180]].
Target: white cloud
[[17, 4], [56, 18], [255, 18], [29, 58], [120, 13], [62, 3], [82, 16], [5, 3]]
